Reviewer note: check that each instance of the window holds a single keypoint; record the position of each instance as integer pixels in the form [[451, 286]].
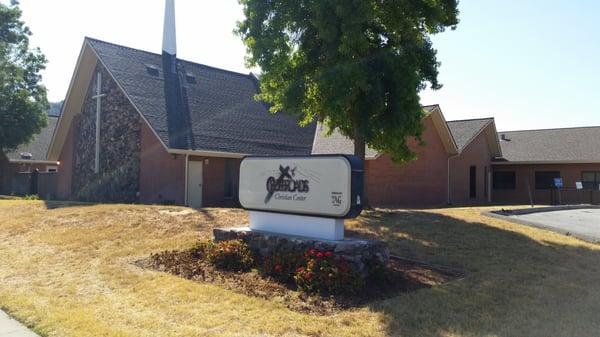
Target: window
[[229, 185], [504, 180], [473, 182], [591, 179], [544, 180]]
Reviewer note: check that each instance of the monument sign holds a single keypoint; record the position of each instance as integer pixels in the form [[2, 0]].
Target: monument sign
[[306, 196]]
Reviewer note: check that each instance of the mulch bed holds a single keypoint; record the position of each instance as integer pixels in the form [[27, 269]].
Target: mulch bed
[[405, 276]]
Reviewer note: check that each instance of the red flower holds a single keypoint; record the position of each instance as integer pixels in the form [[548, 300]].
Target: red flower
[[310, 252], [278, 268], [299, 269], [329, 254], [319, 254], [308, 276]]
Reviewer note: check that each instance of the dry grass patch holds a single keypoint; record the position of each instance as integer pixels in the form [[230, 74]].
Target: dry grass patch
[[67, 269]]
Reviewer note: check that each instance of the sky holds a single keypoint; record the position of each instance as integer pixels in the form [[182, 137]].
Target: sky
[[531, 64]]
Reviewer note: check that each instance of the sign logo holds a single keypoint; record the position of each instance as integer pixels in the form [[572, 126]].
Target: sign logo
[[285, 183]]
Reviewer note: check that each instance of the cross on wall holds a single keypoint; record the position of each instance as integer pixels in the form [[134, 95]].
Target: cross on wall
[[98, 98]]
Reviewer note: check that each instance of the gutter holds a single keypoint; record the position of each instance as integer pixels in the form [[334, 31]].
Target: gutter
[[545, 162], [185, 188], [207, 153], [27, 161]]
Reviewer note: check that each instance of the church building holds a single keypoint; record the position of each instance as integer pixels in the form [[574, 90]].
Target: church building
[[144, 127]]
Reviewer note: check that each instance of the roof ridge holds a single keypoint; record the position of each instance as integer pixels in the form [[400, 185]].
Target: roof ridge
[[553, 129], [179, 59], [470, 119]]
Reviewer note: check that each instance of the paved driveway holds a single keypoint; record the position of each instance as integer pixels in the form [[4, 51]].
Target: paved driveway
[[581, 223]]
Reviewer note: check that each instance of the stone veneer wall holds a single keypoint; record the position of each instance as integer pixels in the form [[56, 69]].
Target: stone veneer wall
[[120, 139], [362, 254]]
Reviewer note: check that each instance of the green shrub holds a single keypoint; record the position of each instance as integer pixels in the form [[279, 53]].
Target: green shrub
[[325, 273], [31, 197], [233, 255], [283, 265]]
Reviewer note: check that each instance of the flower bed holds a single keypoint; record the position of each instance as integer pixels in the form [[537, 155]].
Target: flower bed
[[312, 281]]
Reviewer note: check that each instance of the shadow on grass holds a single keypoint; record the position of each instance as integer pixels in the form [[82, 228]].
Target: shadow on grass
[[54, 204], [515, 285]]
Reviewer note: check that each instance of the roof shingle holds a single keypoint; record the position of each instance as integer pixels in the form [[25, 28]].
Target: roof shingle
[[552, 145], [464, 131], [224, 115], [40, 144]]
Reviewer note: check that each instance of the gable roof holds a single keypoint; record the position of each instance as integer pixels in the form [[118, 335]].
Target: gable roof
[[223, 118], [224, 115], [573, 145], [464, 131], [336, 143], [38, 147]]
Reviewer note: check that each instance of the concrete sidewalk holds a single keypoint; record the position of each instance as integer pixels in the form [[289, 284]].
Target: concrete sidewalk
[[11, 328]]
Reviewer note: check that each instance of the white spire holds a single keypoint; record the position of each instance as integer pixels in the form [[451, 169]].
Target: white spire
[[169, 35]]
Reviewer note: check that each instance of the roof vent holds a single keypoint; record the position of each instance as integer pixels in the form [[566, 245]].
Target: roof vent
[[26, 155], [504, 138], [190, 78], [152, 70]]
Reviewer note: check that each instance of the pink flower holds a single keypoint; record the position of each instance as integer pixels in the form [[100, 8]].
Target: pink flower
[[278, 268], [319, 254], [329, 254]]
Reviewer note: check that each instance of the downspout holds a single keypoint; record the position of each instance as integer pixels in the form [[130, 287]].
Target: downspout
[[449, 197], [185, 197]]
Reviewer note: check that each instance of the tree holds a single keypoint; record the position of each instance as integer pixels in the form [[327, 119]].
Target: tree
[[23, 99], [354, 65]]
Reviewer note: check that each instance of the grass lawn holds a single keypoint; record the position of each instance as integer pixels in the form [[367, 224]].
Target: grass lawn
[[67, 270]]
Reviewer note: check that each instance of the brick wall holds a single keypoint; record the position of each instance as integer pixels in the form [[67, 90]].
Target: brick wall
[[118, 179], [525, 180], [162, 175], [213, 187], [476, 154], [422, 182]]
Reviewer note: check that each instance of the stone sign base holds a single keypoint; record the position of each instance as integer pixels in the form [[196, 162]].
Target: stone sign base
[[362, 254]]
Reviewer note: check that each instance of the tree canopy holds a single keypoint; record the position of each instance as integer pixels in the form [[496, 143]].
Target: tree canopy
[[23, 99], [355, 65]]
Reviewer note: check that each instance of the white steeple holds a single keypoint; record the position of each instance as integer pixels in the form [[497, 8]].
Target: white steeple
[[169, 34]]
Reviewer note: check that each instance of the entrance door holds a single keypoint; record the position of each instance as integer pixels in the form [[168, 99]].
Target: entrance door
[[194, 184], [473, 182]]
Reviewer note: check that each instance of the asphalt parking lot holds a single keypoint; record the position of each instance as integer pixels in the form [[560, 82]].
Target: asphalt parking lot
[[581, 223]]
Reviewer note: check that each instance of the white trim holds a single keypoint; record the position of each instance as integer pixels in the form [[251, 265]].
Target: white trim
[[201, 153], [438, 109], [28, 161], [541, 162], [67, 98]]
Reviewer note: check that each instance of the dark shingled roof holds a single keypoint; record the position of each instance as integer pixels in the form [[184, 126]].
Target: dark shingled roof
[[464, 131], [551, 145], [223, 115], [39, 146], [337, 143]]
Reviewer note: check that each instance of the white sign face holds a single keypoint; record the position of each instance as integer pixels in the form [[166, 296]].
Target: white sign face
[[579, 185], [319, 185]]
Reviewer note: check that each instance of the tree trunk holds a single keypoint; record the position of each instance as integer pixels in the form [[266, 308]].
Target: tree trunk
[[359, 151]]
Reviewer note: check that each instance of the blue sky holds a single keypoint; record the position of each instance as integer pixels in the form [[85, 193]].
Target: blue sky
[[530, 64]]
